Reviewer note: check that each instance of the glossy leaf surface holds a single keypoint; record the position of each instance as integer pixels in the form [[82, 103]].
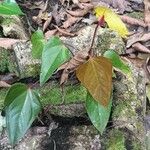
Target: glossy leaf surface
[[117, 62], [22, 106], [38, 43], [10, 7], [53, 55], [98, 114]]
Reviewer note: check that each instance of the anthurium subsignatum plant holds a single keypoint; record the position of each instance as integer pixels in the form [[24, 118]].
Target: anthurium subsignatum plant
[[22, 104]]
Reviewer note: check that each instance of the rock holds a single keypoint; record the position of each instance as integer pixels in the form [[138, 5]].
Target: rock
[[63, 138], [128, 111], [13, 27], [105, 39], [52, 98]]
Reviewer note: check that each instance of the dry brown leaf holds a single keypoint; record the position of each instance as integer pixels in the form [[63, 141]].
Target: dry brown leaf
[[96, 76], [7, 42], [70, 21], [84, 1], [71, 66], [50, 33], [135, 61], [147, 12], [85, 6], [64, 32], [4, 84], [132, 21], [138, 37], [47, 23], [141, 48], [78, 13]]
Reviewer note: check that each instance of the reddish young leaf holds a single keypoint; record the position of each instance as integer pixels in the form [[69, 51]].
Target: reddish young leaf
[[101, 21], [96, 76]]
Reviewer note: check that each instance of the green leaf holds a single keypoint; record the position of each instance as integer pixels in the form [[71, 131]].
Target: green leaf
[[53, 55], [10, 7], [98, 114], [117, 62], [22, 106], [38, 42]]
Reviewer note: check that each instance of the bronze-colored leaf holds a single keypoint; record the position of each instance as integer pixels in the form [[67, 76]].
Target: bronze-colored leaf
[[71, 66], [96, 76]]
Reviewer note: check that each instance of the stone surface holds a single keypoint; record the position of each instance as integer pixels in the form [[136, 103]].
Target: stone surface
[[104, 40], [62, 138]]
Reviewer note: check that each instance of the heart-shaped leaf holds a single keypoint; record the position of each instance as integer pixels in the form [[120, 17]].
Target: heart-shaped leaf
[[98, 114], [53, 55], [117, 62], [38, 42], [10, 7], [22, 106], [96, 76], [113, 20]]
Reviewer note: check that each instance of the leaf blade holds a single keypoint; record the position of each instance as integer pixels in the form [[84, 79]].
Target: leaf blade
[[54, 55], [21, 112], [113, 20], [38, 42], [96, 76], [117, 62], [98, 114], [10, 7]]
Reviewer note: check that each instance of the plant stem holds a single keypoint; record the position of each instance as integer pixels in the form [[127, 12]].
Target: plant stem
[[90, 52]]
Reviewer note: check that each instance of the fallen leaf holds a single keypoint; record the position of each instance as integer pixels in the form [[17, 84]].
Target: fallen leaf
[[113, 20], [47, 23], [70, 21], [78, 13], [132, 21], [141, 48], [85, 6], [84, 1], [121, 5], [138, 37], [96, 76], [50, 33], [72, 65], [64, 32]]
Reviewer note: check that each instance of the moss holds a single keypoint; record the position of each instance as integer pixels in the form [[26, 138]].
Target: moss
[[137, 15], [116, 141], [123, 105], [32, 70], [109, 39], [52, 94], [3, 60], [2, 97], [7, 20]]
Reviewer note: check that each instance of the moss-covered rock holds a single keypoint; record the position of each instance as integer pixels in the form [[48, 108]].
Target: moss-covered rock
[[116, 141], [68, 103]]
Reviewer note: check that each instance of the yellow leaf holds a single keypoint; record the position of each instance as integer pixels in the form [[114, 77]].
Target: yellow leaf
[[96, 76], [113, 20]]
